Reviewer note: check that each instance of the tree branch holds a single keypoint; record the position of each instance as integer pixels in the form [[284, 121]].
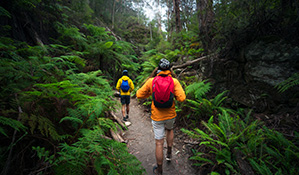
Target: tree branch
[[189, 63]]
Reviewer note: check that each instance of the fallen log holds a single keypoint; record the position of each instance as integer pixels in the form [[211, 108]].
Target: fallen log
[[112, 33], [119, 121], [116, 136], [189, 63]]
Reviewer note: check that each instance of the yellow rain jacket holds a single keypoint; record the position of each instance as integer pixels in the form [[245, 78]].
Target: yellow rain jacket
[[160, 114], [124, 77]]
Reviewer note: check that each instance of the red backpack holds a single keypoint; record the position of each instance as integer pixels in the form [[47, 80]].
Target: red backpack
[[163, 88]]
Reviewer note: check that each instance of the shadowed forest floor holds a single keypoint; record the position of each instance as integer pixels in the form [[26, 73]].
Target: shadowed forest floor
[[141, 143]]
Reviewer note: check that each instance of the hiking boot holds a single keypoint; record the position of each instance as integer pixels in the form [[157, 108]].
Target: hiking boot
[[168, 157], [168, 154], [125, 119], [157, 170]]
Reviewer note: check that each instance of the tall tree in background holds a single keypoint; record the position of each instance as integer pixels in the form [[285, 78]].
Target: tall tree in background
[[176, 8], [159, 18], [168, 24], [188, 10], [205, 19]]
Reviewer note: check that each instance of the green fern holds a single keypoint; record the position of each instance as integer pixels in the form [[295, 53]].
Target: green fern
[[97, 32], [198, 89], [106, 156], [42, 153], [218, 100], [288, 83], [201, 106], [76, 59], [4, 12], [11, 123], [44, 126], [266, 150]]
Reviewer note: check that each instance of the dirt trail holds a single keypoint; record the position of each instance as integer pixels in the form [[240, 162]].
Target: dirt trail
[[141, 143]]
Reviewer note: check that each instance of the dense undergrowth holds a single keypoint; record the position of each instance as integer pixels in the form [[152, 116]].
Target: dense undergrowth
[[57, 113], [56, 94], [233, 142]]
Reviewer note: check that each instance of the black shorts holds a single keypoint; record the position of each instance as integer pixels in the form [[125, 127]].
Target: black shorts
[[125, 99]]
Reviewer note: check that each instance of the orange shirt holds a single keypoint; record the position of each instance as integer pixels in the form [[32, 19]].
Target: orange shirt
[[160, 114]]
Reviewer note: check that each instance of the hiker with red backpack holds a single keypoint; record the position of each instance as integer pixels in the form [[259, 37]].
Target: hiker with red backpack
[[163, 87], [125, 86]]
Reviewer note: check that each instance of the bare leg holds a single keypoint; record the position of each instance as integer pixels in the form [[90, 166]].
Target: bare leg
[[169, 140], [128, 109], [159, 154], [123, 109], [169, 137]]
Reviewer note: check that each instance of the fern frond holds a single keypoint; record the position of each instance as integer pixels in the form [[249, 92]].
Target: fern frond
[[288, 83], [217, 101], [4, 12], [44, 126], [72, 119], [199, 89], [97, 32], [76, 59], [12, 123]]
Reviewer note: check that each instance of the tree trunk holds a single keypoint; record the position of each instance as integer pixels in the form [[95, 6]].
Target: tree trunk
[[113, 14], [151, 33], [168, 26], [205, 20], [159, 18], [176, 7]]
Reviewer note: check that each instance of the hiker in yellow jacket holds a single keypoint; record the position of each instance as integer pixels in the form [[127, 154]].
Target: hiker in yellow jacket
[[162, 118], [125, 86]]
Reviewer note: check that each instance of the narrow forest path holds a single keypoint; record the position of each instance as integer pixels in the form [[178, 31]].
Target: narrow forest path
[[141, 143]]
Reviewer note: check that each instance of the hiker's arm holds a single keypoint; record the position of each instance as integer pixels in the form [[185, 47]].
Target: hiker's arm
[[118, 85], [179, 92], [131, 86], [144, 91]]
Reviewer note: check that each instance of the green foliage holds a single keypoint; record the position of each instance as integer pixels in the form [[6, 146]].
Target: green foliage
[[44, 126], [42, 153], [288, 83], [267, 151], [200, 105], [58, 101], [98, 33], [243, 21], [107, 156], [12, 123], [110, 55], [4, 12], [198, 89], [71, 34]]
